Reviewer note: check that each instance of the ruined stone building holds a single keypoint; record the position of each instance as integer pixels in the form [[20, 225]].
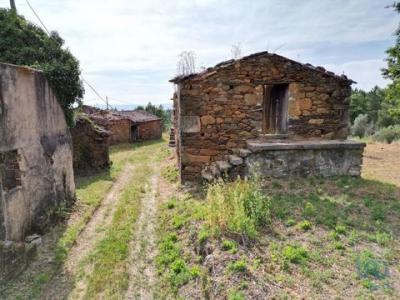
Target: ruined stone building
[[36, 174], [127, 126], [267, 113], [90, 146]]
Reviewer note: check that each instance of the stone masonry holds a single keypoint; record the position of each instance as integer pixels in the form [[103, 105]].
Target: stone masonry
[[218, 110], [91, 146]]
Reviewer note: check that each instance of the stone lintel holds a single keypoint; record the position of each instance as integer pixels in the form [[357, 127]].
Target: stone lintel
[[190, 124], [257, 146]]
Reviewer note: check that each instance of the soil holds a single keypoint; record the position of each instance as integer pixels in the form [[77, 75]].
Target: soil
[[382, 162], [60, 285], [143, 276]]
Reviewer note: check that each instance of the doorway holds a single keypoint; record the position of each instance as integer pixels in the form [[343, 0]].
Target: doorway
[[134, 133], [275, 107]]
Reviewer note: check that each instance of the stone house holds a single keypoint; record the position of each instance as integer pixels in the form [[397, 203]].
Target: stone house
[[127, 126], [264, 112], [36, 174], [90, 146]]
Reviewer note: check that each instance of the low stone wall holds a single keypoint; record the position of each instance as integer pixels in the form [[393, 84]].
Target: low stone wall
[[321, 158]]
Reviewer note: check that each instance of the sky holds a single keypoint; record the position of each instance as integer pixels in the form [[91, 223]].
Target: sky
[[128, 50]]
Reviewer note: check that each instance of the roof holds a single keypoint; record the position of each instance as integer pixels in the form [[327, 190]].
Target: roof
[[138, 115], [135, 116], [228, 63]]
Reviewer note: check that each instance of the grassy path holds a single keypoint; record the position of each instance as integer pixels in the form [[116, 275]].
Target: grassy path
[[87, 257]]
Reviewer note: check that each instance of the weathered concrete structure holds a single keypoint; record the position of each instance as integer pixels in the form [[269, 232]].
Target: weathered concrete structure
[[36, 172], [127, 126], [91, 146], [266, 98]]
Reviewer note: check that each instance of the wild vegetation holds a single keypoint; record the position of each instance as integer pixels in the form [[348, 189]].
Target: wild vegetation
[[283, 239], [377, 113], [24, 43]]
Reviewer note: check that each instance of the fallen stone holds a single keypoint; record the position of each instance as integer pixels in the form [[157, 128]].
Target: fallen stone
[[31, 238], [244, 152], [214, 170], [235, 160], [207, 175], [223, 166]]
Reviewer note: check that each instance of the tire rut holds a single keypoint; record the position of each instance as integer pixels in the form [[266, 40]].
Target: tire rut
[[60, 286], [143, 247]]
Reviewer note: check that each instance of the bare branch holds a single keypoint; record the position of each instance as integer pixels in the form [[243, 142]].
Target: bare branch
[[187, 63]]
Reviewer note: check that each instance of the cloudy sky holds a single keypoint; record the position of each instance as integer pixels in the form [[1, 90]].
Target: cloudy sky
[[129, 49]]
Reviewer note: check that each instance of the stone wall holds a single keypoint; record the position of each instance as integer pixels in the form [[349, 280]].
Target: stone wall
[[304, 159], [36, 150], [120, 131], [222, 108], [150, 130], [91, 147]]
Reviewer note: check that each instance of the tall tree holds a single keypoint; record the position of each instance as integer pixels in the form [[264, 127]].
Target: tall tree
[[12, 5], [390, 113], [23, 43]]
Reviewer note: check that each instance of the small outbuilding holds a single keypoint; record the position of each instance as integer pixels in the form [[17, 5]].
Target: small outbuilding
[[91, 146], [127, 126], [267, 113]]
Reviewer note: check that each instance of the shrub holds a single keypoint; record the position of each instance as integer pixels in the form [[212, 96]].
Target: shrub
[[340, 229], [362, 127], [387, 134], [295, 253], [230, 246], [23, 43], [240, 207], [239, 266], [305, 225], [369, 266]]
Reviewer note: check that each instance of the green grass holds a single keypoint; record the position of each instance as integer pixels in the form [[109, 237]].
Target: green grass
[[109, 276], [173, 268], [170, 173], [237, 266], [238, 208], [247, 231], [109, 260]]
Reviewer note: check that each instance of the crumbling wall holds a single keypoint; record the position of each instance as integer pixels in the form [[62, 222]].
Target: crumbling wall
[[91, 146], [150, 130], [32, 125], [220, 110]]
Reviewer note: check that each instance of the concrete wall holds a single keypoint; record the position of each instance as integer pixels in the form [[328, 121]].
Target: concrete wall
[[220, 110], [32, 123]]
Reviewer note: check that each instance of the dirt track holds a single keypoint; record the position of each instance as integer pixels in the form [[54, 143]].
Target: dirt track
[[382, 162]]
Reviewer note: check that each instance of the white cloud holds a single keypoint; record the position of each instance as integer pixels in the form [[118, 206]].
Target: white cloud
[[364, 72], [128, 49]]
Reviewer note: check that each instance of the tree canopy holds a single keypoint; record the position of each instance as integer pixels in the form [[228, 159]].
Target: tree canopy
[[23, 43], [391, 105], [159, 111]]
